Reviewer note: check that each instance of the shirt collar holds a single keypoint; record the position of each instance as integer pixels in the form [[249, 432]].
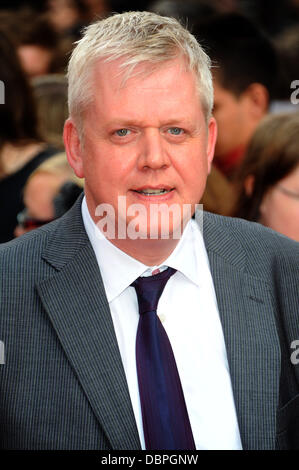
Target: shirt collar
[[119, 270]]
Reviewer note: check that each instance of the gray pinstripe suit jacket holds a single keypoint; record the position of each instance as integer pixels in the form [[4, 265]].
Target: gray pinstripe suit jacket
[[63, 385]]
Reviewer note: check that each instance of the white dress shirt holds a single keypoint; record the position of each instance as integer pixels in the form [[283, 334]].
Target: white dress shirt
[[189, 313]]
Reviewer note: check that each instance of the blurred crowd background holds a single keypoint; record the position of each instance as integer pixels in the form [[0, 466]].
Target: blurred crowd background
[[254, 47]]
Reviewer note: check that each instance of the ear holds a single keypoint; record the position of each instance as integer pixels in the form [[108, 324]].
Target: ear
[[73, 147], [257, 99], [212, 136]]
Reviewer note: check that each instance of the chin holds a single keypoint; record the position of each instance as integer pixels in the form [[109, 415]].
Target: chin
[[154, 230], [155, 223]]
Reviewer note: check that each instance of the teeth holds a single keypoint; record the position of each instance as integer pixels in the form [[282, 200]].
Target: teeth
[[153, 192]]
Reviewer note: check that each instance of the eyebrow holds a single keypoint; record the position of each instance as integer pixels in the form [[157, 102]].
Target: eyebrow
[[139, 122]]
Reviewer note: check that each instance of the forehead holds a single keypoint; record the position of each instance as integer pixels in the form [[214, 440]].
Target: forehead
[[118, 76], [166, 85]]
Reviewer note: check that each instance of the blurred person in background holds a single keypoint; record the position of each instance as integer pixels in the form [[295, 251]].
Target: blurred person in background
[[37, 43], [185, 12], [269, 176], [40, 48], [50, 93], [220, 194], [21, 147], [287, 44], [244, 74], [67, 17], [273, 16], [17, 4], [98, 8], [48, 193]]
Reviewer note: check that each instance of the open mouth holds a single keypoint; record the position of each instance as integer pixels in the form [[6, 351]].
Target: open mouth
[[153, 192]]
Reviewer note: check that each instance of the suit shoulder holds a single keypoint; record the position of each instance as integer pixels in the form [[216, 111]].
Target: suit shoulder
[[52, 246], [264, 247], [27, 247], [249, 232]]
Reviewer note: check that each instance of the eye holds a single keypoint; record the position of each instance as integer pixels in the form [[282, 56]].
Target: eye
[[175, 131], [122, 132]]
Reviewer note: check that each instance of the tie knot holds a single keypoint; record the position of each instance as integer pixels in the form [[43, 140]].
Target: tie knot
[[149, 289]]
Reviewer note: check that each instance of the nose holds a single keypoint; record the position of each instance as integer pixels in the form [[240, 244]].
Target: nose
[[153, 154]]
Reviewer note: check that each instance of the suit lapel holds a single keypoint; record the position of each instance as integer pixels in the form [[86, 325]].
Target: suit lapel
[[249, 329], [76, 303]]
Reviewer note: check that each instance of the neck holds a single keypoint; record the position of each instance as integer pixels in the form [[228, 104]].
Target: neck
[[149, 252]]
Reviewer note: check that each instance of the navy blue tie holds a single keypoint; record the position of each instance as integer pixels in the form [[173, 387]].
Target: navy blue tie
[[165, 418]]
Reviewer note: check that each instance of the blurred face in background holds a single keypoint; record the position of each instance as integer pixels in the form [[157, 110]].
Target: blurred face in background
[[230, 113], [63, 14], [237, 116], [35, 60], [280, 206], [39, 195]]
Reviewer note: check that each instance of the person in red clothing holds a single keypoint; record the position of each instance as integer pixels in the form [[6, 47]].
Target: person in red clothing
[[244, 82]]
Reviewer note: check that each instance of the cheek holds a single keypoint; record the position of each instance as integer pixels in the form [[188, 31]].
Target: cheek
[[194, 175], [105, 159]]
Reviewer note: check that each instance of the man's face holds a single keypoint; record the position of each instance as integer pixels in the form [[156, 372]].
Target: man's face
[[147, 135], [231, 115]]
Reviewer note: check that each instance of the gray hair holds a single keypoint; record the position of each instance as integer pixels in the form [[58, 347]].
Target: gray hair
[[137, 38]]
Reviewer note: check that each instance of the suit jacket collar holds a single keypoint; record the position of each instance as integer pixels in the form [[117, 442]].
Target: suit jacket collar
[[86, 332]]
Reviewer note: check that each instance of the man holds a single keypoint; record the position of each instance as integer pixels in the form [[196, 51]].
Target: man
[[244, 73], [142, 136]]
